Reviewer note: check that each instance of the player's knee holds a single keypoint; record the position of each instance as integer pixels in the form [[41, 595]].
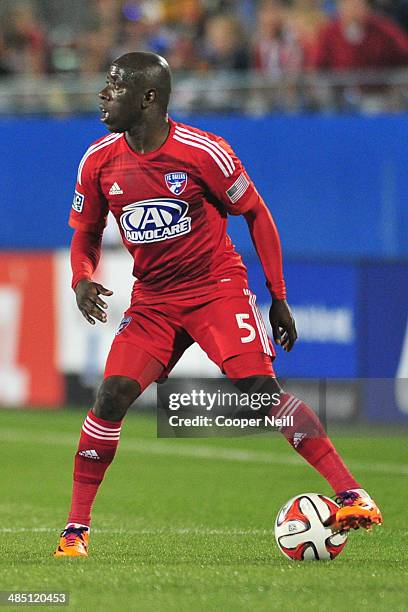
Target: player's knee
[[114, 397], [258, 384]]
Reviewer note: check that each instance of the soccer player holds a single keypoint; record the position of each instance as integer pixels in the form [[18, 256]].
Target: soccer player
[[170, 187]]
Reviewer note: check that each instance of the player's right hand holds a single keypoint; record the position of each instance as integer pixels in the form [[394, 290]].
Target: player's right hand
[[89, 303]]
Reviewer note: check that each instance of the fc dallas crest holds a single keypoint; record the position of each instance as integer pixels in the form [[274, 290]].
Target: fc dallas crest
[[176, 182]]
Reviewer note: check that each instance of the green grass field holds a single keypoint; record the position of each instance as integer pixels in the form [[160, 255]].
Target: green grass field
[[188, 524]]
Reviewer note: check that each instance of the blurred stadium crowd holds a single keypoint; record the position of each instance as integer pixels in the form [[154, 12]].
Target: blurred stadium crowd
[[269, 39], [272, 36]]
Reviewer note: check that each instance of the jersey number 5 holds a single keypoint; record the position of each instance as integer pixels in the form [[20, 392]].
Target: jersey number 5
[[240, 317]]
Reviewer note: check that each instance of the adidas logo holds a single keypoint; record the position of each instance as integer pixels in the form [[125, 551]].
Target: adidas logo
[[89, 454], [115, 189], [297, 438]]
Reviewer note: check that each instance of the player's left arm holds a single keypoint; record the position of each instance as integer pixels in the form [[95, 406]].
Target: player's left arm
[[227, 178], [265, 238]]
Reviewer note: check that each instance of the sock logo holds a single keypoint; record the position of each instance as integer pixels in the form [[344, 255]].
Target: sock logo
[[89, 454], [297, 438]]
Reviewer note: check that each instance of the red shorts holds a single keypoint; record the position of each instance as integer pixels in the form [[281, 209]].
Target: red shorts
[[225, 324]]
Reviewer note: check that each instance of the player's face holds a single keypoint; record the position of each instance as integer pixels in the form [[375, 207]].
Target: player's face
[[120, 102]]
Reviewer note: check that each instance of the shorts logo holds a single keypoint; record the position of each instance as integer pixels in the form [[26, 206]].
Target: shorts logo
[[78, 201], [176, 182], [124, 323], [155, 220]]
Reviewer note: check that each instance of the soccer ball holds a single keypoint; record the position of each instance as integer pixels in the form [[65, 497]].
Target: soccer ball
[[300, 531]]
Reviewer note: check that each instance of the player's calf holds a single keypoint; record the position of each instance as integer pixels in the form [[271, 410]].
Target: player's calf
[[97, 447], [303, 430]]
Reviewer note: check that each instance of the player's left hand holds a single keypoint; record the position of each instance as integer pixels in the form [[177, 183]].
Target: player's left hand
[[283, 324]]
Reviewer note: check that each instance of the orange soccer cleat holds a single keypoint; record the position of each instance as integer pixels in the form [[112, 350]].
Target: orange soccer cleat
[[357, 509], [73, 542]]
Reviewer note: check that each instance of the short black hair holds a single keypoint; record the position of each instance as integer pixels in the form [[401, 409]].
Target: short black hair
[[150, 68]]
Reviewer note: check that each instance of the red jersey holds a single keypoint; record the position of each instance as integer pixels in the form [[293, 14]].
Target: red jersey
[[171, 207]]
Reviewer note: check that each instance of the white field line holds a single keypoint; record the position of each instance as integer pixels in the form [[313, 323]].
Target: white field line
[[197, 451], [200, 531]]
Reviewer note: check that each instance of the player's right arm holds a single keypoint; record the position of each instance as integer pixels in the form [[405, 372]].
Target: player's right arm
[[88, 218]]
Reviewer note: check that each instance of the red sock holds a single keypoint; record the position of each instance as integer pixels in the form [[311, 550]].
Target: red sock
[[96, 450], [310, 440]]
